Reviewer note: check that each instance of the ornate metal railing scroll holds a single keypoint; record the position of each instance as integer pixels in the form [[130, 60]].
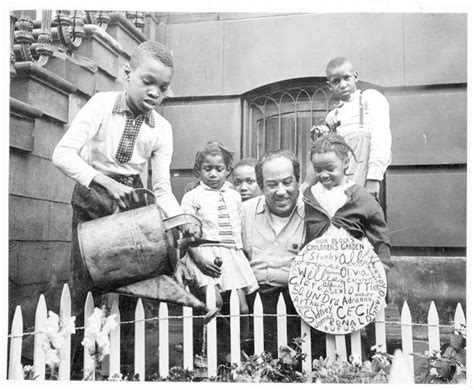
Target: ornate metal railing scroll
[[136, 18], [32, 40], [31, 49], [70, 28], [13, 20]]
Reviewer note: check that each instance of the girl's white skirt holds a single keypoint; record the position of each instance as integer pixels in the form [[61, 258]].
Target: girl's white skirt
[[236, 271]]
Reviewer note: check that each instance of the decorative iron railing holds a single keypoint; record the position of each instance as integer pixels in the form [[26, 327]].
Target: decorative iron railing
[[35, 40]]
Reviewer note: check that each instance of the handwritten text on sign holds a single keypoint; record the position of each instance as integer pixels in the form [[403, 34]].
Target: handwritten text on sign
[[337, 284]]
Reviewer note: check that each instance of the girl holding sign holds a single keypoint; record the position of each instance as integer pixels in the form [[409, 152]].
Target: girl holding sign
[[336, 202], [338, 210]]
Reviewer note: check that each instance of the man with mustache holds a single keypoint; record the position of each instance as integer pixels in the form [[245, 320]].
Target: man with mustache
[[273, 234]]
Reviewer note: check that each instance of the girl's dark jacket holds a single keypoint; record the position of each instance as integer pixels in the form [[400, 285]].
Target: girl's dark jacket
[[361, 216]]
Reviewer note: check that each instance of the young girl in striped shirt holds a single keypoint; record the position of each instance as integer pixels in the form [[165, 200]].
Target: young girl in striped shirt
[[218, 206]]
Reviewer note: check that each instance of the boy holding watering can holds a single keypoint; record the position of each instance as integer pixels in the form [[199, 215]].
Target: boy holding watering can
[[108, 145]]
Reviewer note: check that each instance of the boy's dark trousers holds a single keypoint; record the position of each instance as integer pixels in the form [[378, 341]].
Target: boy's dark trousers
[[89, 204]]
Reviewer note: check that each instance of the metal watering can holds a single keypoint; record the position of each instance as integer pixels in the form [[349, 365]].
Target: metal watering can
[[135, 253]]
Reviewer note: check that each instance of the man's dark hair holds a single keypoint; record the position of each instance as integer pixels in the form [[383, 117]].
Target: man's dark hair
[[270, 156]]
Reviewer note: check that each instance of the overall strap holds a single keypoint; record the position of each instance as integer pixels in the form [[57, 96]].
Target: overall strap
[[361, 111]]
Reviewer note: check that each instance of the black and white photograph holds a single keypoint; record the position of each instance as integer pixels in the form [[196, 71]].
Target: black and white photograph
[[333, 139]]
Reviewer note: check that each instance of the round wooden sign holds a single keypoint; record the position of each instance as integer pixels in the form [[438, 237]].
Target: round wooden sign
[[337, 283]]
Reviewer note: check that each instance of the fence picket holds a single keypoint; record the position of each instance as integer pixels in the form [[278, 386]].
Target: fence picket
[[258, 325], [114, 359], [341, 348], [188, 337], [89, 362], [234, 327], [306, 346], [433, 328], [164, 340], [459, 318], [400, 373], [64, 371], [39, 358], [16, 343], [211, 333], [330, 347], [380, 335], [407, 335], [281, 322], [356, 344], [139, 358]]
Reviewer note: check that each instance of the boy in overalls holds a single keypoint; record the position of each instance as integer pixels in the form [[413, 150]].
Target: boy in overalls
[[363, 119]]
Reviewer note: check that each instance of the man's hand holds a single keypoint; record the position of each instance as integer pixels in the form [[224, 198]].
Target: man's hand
[[123, 195], [373, 186]]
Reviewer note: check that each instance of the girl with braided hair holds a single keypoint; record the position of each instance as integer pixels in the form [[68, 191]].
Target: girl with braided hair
[[336, 202], [221, 263]]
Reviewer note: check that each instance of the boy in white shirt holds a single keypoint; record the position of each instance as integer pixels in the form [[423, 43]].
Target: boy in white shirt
[[107, 146]]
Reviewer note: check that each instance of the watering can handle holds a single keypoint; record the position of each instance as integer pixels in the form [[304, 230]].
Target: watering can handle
[[181, 219], [138, 190], [176, 220]]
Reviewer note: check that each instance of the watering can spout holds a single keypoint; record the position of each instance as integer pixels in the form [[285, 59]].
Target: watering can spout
[[165, 288]]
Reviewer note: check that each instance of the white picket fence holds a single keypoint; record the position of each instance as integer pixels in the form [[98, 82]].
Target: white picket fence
[[333, 343]]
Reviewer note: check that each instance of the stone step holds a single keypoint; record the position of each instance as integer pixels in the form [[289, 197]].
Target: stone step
[[42, 89]]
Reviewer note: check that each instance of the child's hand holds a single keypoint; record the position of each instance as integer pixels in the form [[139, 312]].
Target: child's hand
[[123, 195], [373, 186], [207, 267], [191, 231], [332, 123], [318, 131]]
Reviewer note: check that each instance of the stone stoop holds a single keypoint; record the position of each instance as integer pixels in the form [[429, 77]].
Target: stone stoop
[[22, 123], [43, 101], [110, 50], [43, 90]]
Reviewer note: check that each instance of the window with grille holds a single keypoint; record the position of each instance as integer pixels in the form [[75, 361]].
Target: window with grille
[[279, 116]]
